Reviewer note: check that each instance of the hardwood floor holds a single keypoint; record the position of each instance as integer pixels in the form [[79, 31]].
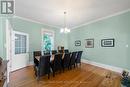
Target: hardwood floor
[[84, 76]]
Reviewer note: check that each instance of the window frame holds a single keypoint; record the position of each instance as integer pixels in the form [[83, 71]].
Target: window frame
[[27, 41], [43, 31]]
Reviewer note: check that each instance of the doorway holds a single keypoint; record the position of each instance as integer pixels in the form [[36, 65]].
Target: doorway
[[20, 47]]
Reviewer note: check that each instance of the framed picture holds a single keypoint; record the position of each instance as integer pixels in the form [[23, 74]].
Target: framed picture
[[89, 43], [77, 43], [108, 42]]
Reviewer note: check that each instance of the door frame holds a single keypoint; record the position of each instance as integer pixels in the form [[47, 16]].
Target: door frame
[[8, 47], [13, 44]]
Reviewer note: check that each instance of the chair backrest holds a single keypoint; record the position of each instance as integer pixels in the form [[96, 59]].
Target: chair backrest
[[66, 60], [54, 51], [66, 51], [57, 61], [73, 58], [44, 65], [46, 52], [60, 51], [36, 53], [79, 54]]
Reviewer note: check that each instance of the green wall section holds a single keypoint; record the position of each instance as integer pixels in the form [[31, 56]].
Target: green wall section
[[34, 31], [2, 38], [117, 27]]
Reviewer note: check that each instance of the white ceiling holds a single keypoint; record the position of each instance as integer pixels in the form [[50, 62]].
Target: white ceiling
[[78, 11]]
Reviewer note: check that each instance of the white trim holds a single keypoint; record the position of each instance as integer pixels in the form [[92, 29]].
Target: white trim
[[20, 33], [112, 68], [31, 63], [102, 18], [30, 20], [8, 47]]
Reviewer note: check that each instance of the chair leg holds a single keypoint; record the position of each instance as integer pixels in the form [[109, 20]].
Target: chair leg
[[74, 65], [38, 77], [80, 63], [63, 69], [49, 76], [53, 74], [35, 71], [68, 67]]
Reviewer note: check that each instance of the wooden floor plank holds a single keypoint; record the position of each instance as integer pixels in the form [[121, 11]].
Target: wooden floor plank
[[83, 76]]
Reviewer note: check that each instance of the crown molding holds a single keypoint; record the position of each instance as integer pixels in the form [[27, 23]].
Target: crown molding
[[102, 18], [30, 20], [87, 23]]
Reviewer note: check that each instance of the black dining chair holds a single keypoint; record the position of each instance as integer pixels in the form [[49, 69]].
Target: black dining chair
[[72, 59], [78, 58], [46, 52], [44, 66], [66, 51], [54, 51], [66, 61], [60, 51], [56, 64], [36, 54]]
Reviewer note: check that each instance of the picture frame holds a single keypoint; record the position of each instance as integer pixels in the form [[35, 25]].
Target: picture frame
[[108, 42], [77, 43], [89, 43]]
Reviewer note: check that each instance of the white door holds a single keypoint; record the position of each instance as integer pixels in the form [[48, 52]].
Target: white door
[[20, 47]]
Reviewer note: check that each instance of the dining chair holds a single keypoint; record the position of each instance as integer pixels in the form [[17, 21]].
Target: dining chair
[[66, 51], [44, 66], [36, 54], [60, 51], [78, 58], [72, 59], [46, 52], [56, 64], [54, 51], [66, 61]]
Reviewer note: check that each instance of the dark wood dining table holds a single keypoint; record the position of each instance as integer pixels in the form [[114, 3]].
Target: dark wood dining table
[[52, 57]]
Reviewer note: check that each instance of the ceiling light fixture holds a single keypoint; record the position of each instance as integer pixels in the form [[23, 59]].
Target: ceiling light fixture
[[65, 29]]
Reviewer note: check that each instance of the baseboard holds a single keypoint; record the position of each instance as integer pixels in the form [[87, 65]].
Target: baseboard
[[31, 63], [112, 68]]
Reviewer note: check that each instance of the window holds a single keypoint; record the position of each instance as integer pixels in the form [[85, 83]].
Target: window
[[47, 40], [20, 43]]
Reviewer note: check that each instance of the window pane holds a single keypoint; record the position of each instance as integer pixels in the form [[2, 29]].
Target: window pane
[[20, 44], [17, 43], [47, 42], [17, 50], [23, 50], [23, 41]]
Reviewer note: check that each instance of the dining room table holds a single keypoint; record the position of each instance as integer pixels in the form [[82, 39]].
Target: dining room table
[[52, 57]]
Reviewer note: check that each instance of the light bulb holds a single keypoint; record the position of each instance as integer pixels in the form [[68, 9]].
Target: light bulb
[[61, 30]]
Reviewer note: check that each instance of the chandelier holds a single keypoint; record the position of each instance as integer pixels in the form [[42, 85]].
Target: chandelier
[[65, 29]]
